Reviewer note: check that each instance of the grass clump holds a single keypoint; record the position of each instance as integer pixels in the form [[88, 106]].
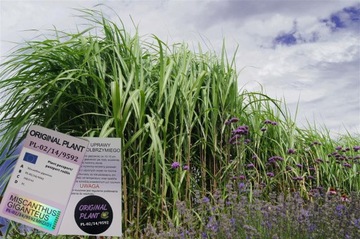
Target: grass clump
[[187, 128]]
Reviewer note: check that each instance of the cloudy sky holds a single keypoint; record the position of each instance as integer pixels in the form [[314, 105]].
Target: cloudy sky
[[306, 52]]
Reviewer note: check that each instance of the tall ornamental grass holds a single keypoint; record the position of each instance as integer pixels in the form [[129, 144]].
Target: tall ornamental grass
[[186, 127]]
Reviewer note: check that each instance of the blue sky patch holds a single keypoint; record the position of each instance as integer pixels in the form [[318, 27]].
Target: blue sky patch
[[336, 22], [353, 13], [346, 18], [285, 39]]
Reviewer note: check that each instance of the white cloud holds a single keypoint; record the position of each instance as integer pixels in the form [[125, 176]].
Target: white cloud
[[269, 26]]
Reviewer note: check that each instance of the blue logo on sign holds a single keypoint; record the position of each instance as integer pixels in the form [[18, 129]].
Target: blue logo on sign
[[30, 158]]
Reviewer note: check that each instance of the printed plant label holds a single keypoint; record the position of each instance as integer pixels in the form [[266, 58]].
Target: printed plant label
[[95, 203], [43, 178]]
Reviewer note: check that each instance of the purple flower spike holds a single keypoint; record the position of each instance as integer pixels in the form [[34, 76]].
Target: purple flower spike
[[241, 186], [206, 200], [233, 139], [312, 169], [291, 151], [250, 165], [186, 167], [311, 177], [278, 158], [272, 160], [270, 174], [316, 143], [267, 121], [298, 178], [299, 165], [242, 130], [273, 123], [232, 120], [347, 165], [338, 148], [175, 165], [356, 148], [242, 177]]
